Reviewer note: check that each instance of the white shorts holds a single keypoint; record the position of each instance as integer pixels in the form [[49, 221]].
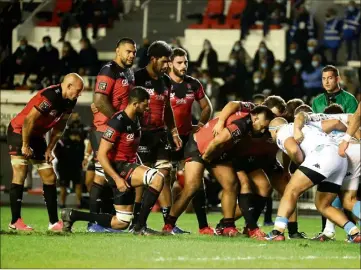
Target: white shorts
[[99, 169], [326, 161], [352, 177]]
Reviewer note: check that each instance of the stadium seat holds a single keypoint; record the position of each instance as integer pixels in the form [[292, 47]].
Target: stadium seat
[[213, 11], [234, 12]]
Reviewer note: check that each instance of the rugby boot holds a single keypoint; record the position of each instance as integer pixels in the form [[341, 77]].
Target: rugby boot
[[207, 231], [95, 228], [321, 237], [147, 231], [297, 235], [275, 236], [56, 227], [65, 214], [356, 238], [19, 225], [257, 234]]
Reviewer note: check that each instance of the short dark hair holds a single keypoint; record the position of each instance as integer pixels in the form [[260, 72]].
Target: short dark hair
[[303, 108], [292, 105], [261, 109], [258, 96], [125, 40], [46, 38], [159, 48], [334, 109], [275, 101], [178, 52], [138, 94], [332, 68]]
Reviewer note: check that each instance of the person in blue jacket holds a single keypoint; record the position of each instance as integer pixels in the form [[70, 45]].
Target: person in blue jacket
[[332, 34], [351, 29]]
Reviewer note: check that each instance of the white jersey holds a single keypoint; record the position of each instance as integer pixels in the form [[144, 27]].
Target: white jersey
[[335, 134], [317, 117], [313, 137]]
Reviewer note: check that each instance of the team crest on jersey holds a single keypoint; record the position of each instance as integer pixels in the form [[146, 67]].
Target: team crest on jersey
[[44, 105], [125, 82], [129, 128], [150, 91], [172, 95], [108, 133], [53, 113], [190, 96], [102, 86]]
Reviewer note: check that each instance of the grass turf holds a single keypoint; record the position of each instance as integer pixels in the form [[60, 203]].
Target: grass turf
[[41, 249]]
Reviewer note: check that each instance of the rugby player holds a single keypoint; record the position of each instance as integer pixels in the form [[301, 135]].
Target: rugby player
[[117, 155], [154, 150], [48, 110], [319, 165], [113, 83], [185, 91]]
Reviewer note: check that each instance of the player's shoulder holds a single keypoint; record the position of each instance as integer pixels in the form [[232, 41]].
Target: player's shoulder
[[318, 98], [117, 120], [167, 79], [109, 69], [141, 73], [52, 93], [192, 81], [348, 94]]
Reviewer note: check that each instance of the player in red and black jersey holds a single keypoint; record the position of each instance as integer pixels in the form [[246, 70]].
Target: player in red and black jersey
[[48, 110], [113, 83], [185, 91], [118, 155], [204, 150], [154, 147]]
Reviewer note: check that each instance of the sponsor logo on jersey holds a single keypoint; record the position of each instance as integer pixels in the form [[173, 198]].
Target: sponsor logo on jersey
[[130, 137], [53, 113], [143, 149], [181, 101], [190, 96], [44, 106], [148, 83], [102, 86], [172, 95], [108, 134], [57, 91], [316, 166], [125, 82], [348, 174], [129, 128], [150, 91]]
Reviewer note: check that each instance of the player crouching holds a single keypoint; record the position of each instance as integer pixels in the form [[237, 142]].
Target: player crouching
[[117, 155]]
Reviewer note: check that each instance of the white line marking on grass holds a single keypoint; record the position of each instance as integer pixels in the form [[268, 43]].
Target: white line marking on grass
[[251, 258]]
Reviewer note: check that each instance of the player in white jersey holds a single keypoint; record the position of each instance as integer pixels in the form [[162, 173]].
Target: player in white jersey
[[318, 165], [354, 126], [332, 124]]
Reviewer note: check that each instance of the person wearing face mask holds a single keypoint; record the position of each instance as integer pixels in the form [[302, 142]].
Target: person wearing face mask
[[208, 59], [69, 59], [295, 52], [303, 27], [242, 54], [277, 15], [293, 78], [332, 33], [48, 62], [312, 78], [255, 85], [21, 61], [352, 29], [234, 76], [263, 53], [313, 49]]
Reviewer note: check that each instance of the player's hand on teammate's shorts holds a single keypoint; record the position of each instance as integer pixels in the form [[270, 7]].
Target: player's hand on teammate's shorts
[[93, 108], [85, 163], [218, 128], [342, 148], [27, 151], [178, 142], [49, 157], [122, 185], [298, 136]]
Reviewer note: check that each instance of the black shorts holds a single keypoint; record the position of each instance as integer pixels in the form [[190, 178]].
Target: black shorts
[[94, 138], [66, 175], [125, 170], [252, 163], [177, 156], [15, 143], [154, 146], [91, 165]]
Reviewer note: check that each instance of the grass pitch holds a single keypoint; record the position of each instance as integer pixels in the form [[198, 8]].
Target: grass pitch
[[87, 250]]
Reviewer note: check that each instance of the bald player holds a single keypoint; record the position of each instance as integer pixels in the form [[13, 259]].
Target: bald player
[[319, 164], [48, 110]]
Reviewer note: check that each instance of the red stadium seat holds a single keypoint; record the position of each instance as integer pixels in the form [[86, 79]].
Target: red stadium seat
[[214, 8], [235, 9]]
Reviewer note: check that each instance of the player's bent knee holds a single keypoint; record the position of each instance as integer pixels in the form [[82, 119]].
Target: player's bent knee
[[124, 219], [153, 177], [163, 164]]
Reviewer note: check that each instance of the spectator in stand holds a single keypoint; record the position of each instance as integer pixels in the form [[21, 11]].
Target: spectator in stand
[[294, 52], [276, 15], [312, 78], [142, 54], [293, 78], [234, 76], [313, 49], [208, 59], [88, 59], [211, 88], [22, 60], [278, 66], [350, 82], [332, 34], [253, 86], [48, 62], [81, 13], [258, 99], [352, 29], [263, 53], [279, 87], [103, 13], [69, 60], [10, 17], [265, 70], [176, 43], [303, 27], [255, 11]]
